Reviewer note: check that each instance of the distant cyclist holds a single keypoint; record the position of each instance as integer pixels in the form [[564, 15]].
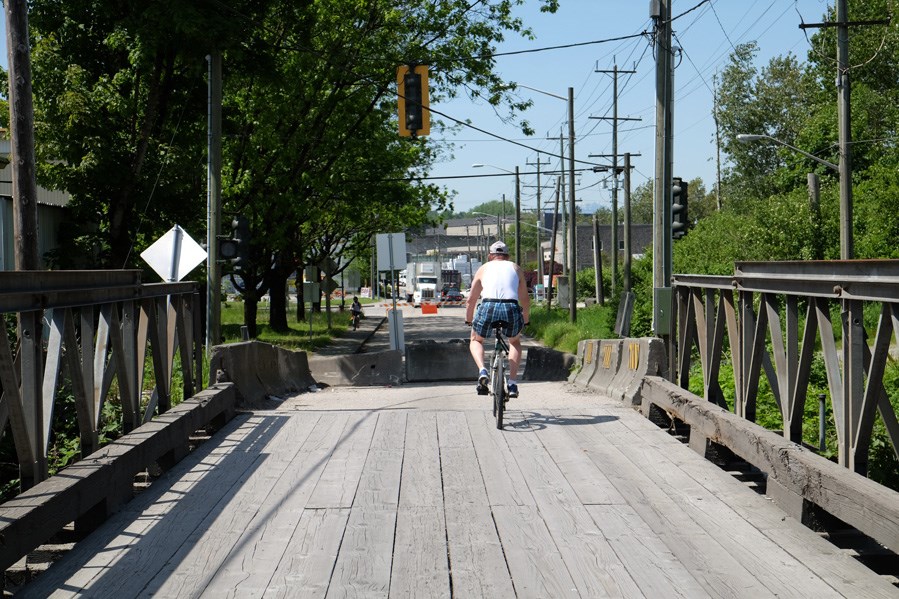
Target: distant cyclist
[[356, 311], [503, 291]]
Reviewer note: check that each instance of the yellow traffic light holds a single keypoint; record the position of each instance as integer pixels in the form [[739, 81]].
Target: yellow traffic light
[[412, 88]]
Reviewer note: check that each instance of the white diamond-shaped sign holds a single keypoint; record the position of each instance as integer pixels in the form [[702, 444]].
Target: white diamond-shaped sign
[[174, 254]]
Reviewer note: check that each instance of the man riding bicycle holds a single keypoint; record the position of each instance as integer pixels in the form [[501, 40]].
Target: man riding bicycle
[[503, 291]]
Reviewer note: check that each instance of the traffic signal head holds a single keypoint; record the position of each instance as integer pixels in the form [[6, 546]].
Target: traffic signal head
[[679, 222], [237, 249], [412, 89]]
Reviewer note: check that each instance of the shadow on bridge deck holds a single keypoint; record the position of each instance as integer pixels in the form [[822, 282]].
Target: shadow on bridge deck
[[411, 491]]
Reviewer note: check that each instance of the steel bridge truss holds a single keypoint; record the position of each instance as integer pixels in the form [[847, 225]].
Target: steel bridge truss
[[90, 329], [777, 317]]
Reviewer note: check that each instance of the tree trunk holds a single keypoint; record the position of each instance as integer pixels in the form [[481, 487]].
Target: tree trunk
[[277, 278], [250, 308], [277, 316]]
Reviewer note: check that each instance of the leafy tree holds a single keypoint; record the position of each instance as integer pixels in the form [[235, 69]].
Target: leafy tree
[[120, 107]]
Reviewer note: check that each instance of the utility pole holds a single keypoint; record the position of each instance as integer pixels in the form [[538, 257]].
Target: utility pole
[[552, 243], [717, 143], [614, 156], [518, 257], [597, 261], [627, 222], [32, 468], [539, 220], [21, 134], [663, 305], [214, 203], [501, 223], [572, 280], [843, 24], [564, 220]]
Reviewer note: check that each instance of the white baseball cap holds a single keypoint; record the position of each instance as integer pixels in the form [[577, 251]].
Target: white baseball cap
[[499, 248]]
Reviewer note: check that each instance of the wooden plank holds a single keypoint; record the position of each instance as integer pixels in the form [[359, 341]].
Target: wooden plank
[[503, 480], [866, 505], [537, 568], [338, 483], [364, 561], [720, 573], [590, 561], [585, 478], [305, 569], [379, 485], [154, 524], [420, 567], [477, 565], [656, 570], [773, 567], [224, 542], [390, 431], [421, 481], [250, 566], [452, 428], [838, 569]]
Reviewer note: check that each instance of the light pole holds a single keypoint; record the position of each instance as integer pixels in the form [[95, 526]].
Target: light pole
[[845, 199], [517, 206]]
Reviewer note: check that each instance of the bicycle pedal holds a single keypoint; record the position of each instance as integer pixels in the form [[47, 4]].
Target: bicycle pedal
[[483, 390]]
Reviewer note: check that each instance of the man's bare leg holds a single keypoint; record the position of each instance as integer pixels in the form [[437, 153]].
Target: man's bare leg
[[514, 357]]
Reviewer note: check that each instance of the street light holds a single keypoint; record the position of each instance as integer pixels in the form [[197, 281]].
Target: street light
[[845, 190], [517, 206]]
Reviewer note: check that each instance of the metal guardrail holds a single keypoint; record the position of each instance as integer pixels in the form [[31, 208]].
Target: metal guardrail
[[90, 329], [775, 316]]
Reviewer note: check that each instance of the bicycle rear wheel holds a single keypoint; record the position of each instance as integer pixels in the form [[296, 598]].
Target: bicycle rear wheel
[[499, 390]]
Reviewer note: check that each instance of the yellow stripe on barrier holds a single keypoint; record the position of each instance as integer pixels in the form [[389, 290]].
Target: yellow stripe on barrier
[[588, 353], [607, 356], [634, 358]]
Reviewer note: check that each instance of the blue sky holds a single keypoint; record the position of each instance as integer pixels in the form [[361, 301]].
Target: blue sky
[[707, 36]]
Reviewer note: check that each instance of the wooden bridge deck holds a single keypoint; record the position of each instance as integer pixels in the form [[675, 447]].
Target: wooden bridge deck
[[412, 492]]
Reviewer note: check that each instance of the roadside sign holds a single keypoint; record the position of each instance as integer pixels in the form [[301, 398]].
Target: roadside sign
[[174, 255], [391, 249]]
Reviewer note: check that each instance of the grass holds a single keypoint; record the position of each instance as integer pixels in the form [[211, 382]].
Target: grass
[[298, 336], [554, 328]]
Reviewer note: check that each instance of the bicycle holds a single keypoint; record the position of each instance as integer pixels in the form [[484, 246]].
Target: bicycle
[[355, 320], [498, 372]]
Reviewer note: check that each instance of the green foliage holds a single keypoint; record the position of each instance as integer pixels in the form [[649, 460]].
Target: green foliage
[[296, 337], [554, 329]]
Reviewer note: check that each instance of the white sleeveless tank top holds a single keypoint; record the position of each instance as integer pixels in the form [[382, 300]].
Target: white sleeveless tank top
[[500, 280]]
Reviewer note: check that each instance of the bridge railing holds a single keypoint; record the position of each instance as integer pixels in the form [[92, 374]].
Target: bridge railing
[[777, 316], [86, 330]]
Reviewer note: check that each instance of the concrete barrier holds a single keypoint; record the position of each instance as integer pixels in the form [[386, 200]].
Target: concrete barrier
[[608, 361], [430, 360], [547, 364], [586, 361], [374, 369], [260, 369], [639, 358]]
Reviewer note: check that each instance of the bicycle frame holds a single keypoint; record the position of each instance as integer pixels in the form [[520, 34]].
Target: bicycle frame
[[498, 375]]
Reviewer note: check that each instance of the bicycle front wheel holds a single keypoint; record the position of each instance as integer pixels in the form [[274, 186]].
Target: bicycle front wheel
[[499, 391]]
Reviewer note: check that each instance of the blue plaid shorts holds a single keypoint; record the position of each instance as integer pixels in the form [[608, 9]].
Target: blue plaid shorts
[[491, 311]]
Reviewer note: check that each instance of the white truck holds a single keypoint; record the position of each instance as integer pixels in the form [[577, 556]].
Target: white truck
[[422, 282]]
